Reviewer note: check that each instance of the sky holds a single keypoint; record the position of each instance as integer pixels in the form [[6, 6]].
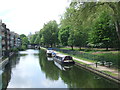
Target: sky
[[25, 16]]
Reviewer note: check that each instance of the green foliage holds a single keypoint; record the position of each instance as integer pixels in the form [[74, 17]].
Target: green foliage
[[94, 24], [103, 33], [24, 47], [108, 57], [63, 35], [50, 33], [33, 38], [22, 36], [71, 39], [14, 49], [25, 42]]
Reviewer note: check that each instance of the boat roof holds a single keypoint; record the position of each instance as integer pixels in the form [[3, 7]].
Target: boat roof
[[50, 49], [62, 55]]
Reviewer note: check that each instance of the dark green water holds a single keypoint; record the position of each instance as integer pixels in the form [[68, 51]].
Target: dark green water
[[32, 69]]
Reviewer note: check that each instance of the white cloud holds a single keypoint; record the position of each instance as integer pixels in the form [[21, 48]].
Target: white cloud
[[24, 16]]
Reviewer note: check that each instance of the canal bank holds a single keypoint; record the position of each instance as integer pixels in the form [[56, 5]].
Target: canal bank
[[6, 60], [33, 69], [86, 65]]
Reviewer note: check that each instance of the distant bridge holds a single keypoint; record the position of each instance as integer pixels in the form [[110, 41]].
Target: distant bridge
[[33, 46]]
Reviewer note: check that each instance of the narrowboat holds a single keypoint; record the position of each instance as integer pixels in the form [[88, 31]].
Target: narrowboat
[[49, 52], [63, 59]]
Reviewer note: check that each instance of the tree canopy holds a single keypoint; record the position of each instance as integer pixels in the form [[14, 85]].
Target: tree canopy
[[94, 24]]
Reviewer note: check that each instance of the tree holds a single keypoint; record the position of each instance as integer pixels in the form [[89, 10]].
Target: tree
[[71, 39], [63, 35], [103, 33], [50, 33], [24, 41], [22, 36], [80, 38], [73, 19], [33, 38], [92, 8]]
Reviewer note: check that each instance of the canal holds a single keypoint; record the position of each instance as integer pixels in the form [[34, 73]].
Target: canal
[[32, 69]]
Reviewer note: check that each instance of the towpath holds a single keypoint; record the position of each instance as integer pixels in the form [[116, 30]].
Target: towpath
[[115, 72]]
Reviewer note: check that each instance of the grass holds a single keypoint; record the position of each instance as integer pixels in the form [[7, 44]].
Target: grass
[[94, 54], [89, 50], [110, 73], [113, 57], [78, 57]]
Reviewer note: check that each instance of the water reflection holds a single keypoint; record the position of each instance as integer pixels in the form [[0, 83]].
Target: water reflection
[[6, 75], [62, 66], [49, 58], [32, 69], [47, 67], [73, 77]]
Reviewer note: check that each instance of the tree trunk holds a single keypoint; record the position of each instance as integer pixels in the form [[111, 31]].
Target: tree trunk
[[116, 17], [79, 47], [106, 48], [72, 47], [51, 44], [117, 29]]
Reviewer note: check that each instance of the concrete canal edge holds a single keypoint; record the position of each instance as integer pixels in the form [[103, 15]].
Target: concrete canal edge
[[100, 73], [107, 76], [5, 61]]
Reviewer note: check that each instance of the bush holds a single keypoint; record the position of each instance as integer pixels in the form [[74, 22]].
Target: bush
[[14, 50]]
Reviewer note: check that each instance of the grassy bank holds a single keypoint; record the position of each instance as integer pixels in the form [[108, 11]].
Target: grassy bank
[[94, 55], [107, 72], [91, 66]]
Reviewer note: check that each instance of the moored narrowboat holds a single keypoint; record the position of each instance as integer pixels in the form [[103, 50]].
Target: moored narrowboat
[[63, 58], [49, 53]]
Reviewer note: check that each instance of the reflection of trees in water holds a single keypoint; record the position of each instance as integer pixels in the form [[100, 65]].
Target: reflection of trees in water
[[78, 78], [6, 75], [14, 60], [51, 71]]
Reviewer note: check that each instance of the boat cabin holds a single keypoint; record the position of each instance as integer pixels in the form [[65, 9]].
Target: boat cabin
[[64, 58]]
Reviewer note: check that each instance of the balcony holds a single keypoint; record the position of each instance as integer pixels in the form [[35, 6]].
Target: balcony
[[8, 48], [3, 35], [3, 48], [3, 42]]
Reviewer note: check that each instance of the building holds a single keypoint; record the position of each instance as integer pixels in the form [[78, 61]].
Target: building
[[15, 41], [0, 41], [3, 32], [8, 40], [12, 35], [5, 40], [19, 42]]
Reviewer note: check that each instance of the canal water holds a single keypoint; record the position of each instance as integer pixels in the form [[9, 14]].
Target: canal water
[[32, 69]]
